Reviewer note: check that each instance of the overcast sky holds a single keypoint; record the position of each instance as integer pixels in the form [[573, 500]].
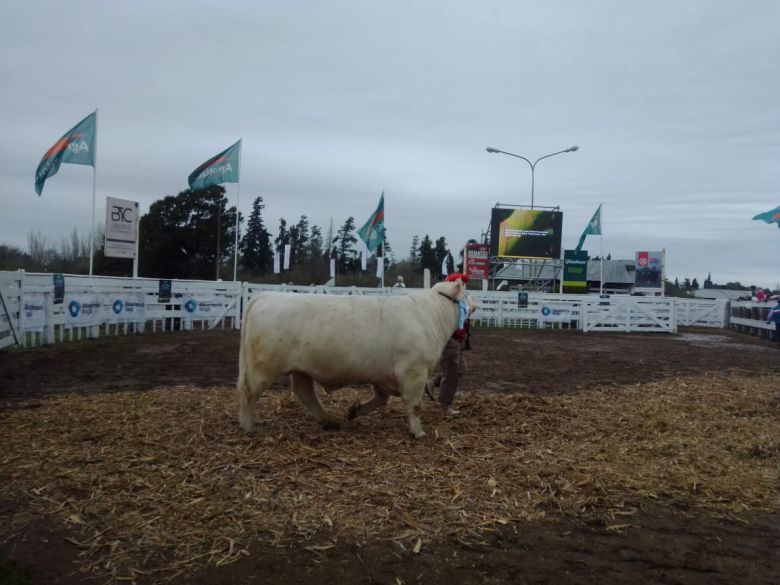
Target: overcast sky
[[674, 105]]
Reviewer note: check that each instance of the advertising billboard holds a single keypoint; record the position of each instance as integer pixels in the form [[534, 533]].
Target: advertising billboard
[[575, 268], [525, 233], [649, 270], [121, 228], [477, 260]]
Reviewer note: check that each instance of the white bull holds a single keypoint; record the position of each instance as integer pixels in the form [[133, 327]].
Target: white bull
[[392, 343]]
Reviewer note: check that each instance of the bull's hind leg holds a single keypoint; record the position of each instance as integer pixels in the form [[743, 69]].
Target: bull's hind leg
[[379, 398], [303, 388], [411, 392], [250, 386]]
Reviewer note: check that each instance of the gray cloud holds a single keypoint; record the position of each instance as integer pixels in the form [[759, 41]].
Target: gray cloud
[[674, 107]]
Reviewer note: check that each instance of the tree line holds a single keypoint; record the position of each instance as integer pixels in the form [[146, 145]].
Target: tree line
[[191, 235]]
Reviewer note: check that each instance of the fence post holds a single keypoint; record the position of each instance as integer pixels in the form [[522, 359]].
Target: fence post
[[48, 327]]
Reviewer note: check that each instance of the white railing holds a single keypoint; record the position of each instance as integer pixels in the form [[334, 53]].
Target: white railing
[[750, 317], [94, 306]]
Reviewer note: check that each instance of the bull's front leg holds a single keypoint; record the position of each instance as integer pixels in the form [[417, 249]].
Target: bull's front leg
[[411, 392]]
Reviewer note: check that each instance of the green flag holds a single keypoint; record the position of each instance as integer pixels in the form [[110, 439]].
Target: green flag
[[592, 229], [77, 146], [222, 168], [373, 231], [770, 216]]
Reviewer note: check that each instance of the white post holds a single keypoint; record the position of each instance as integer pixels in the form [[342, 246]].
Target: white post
[[137, 237], [238, 198], [601, 255], [94, 190], [427, 278], [663, 272]]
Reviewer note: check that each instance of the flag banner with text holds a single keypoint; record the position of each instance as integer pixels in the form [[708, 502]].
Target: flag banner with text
[[76, 147], [222, 168]]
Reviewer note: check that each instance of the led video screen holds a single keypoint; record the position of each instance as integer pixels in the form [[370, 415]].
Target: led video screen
[[525, 233]]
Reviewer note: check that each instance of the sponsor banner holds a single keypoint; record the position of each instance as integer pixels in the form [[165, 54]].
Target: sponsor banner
[[164, 291], [33, 311], [575, 268], [82, 310], [202, 308], [477, 260], [555, 313], [124, 307], [121, 228], [522, 299], [649, 268], [59, 288], [525, 233]]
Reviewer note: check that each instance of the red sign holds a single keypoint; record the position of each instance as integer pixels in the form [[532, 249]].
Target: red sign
[[643, 259], [477, 260]]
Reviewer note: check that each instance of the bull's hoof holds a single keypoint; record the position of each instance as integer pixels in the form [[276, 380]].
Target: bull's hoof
[[330, 425], [353, 411], [418, 435]]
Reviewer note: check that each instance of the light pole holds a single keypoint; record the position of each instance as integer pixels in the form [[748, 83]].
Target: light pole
[[491, 150]]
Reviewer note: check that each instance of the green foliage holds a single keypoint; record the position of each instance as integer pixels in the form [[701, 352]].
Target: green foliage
[[181, 235], [257, 255]]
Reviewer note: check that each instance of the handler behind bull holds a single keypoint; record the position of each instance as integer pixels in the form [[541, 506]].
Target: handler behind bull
[[452, 365]]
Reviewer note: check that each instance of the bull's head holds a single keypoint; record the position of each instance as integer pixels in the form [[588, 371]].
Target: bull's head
[[456, 292]]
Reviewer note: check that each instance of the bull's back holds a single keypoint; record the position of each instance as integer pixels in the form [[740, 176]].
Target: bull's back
[[333, 339]]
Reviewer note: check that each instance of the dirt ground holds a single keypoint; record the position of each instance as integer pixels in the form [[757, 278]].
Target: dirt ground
[[667, 542]]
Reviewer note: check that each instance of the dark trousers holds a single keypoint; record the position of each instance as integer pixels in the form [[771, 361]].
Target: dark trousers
[[777, 332], [452, 367]]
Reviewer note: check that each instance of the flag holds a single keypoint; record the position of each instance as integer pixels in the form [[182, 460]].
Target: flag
[[222, 168], [373, 231], [77, 146], [444, 264], [770, 216], [380, 266], [287, 253], [592, 229]]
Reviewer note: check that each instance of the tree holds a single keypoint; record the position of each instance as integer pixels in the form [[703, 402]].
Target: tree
[[708, 280], [181, 234], [344, 241], [257, 255], [427, 257], [315, 249], [414, 252], [695, 284], [687, 284], [299, 239], [440, 252]]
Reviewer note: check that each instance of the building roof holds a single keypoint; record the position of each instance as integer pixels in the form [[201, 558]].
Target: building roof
[[615, 271], [722, 293]]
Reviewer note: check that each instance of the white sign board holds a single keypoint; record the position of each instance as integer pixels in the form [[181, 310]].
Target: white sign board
[[201, 308], [33, 311], [82, 310], [555, 313], [124, 307], [121, 228]]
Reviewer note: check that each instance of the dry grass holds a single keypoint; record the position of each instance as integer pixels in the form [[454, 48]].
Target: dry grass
[[164, 482]]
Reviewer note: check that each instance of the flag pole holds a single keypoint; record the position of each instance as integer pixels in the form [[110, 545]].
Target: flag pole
[[94, 191], [238, 198], [601, 255]]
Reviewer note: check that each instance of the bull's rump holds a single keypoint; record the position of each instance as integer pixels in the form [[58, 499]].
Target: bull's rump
[[337, 340]]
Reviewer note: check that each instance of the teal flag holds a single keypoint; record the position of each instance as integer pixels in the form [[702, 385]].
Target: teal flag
[[77, 146], [373, 231], [222, 168], [592, 229], [770, 216]]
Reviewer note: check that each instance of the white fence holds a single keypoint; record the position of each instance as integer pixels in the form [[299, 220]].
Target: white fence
[[750, 317], [94, 306]]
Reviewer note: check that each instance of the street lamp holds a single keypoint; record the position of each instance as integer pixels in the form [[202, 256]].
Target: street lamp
[[492, 150]]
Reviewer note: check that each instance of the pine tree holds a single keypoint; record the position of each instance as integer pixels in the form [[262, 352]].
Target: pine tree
[[440, 252], [708, 280], [426, 256], [299, 238], [414, 252], [314, 249], [344, 242], [257, 255], [695, 284]]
